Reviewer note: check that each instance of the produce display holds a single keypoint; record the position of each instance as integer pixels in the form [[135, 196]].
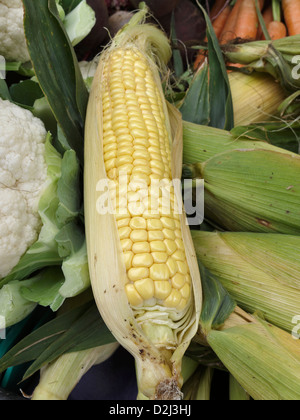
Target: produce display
[[150, 200]]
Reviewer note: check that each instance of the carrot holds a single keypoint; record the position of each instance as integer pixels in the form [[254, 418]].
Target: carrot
[[277, 30], [217, 7], [247, 21], [268, 18], [291, 11], [219, 22], [228, 33], [218, 25]]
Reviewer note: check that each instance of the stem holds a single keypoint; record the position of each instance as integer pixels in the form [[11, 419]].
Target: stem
[[276, 7]]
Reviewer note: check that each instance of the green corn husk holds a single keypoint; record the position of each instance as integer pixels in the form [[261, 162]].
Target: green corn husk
[[201, 143], [251, 190], [262, 358], [260, 271], [274, 57]]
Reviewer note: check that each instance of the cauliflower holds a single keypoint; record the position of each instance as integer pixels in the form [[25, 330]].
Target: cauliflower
[[12, 37], [23, 175]]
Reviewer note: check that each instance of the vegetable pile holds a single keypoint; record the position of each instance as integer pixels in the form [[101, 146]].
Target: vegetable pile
[[102, 249]]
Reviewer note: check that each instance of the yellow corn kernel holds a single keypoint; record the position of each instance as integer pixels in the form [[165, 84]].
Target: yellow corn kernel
[[151, 214], [159, 272], [154, 224], [126, 244], [141, 248], [179, 255], [162, 289], [139, 273], [155, 235], [124, 232], [134, 298], [142, 260], [139, 235], [160, 257], [179, 243], [157, 246], [137, 223], [172, 266], [127, 257], [145, 288], [123, 223], [173, 300], [170, 246], [169, 234], [182, 267], [178, 281], [185, 291]]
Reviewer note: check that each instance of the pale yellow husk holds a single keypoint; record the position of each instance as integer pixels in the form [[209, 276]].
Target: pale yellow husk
[[59, 378]]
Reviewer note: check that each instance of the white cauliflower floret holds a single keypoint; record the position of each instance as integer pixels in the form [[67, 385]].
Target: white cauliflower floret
[[12, 37], [23, 175]]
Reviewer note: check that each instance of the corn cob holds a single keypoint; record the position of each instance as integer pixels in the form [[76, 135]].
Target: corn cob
[[143, 268], [260, 271], [256, 98]]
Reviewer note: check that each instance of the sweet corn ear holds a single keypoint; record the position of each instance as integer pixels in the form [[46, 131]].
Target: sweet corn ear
[[143, 268]]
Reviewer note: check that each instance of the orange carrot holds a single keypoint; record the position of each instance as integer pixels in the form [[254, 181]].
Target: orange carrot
[[277, 30], [228, 33], [291, 11], [247, 21], [218, 25], [219, 22], [268, 18]]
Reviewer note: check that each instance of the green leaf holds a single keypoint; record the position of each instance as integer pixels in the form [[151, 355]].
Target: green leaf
[[26, 92], [35, 343], [45, 289], [13, 306], [69, 5], [217, 303], [69, 189], [79, 22], [177, 60], [221, 106], [196, 105], [80, 328], [57, 69], [4, 91]]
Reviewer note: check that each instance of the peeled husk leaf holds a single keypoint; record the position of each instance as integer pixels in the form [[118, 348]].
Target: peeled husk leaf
[[260, 271], [158, 369]]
